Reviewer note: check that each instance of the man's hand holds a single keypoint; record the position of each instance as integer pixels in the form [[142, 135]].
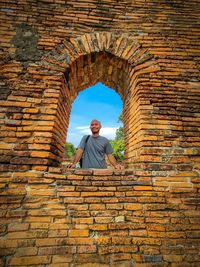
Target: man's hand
[[114, 163], [78, 155], [71, 166]]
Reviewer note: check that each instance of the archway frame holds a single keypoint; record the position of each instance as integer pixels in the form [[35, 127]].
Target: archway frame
[[136, 61]]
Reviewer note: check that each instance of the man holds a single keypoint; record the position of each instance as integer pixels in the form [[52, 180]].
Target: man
[[94, 150]]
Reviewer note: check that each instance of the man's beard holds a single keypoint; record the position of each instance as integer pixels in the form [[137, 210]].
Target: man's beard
[[95, 131]]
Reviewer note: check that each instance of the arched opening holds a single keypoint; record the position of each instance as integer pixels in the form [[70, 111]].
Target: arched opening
[[88, 70], [96, 102]]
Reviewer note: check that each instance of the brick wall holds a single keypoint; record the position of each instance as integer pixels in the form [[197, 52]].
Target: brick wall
[[148, 51], [99, 218]]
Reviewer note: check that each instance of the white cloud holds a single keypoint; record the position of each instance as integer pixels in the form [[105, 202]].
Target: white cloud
[[109, 132], [85, 131], [82, 127]]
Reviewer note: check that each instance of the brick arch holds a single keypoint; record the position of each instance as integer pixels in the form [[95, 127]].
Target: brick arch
[[123, 46], [123, 50], [119, 62]]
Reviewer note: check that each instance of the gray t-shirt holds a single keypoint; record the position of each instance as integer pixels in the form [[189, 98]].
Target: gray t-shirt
[[95, 150]]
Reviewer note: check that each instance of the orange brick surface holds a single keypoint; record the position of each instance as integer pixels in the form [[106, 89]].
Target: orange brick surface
[[146, 215]]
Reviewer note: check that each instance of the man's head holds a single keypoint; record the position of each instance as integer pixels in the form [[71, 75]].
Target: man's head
[[95, 126]]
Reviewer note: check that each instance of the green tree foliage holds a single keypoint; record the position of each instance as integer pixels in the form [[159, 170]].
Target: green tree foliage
[[118, 142], [118, 148], [69, 150], [120, 131]]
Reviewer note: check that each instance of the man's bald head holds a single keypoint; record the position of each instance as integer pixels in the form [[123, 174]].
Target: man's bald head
[[95, 127], [94, 120]]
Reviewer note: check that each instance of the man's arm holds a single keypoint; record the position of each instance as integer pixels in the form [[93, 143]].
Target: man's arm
[[113, 162], [77, 157]]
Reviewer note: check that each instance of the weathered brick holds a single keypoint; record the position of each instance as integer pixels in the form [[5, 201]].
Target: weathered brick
[[39, 225], [57, 250], [87, 249], [117, 249], [30, 234], [83, 220], [58, 264], [76, 233], [34, 219], [97, 207], [33, 260], [28, 251], [12, 227], [121, 256], [58, 233], [74, 177], [89, 264], [133, 206], [96, 194], [45, 242], [104, 219], [103, 240], [173, 258], [98, 227], [121, 264], [121, 240], [138, 233], [114, 206], [61, 258]]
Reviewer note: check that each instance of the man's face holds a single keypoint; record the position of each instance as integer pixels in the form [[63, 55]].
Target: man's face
[[95, 127]]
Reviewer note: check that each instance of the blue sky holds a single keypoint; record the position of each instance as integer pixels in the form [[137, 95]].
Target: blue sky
[[96, 102]]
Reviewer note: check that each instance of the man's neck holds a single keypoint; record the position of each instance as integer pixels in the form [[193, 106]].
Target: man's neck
[[95, 134]]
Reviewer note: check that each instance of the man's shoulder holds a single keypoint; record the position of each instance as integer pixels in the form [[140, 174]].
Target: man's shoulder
[[85, 136], [104, 139]]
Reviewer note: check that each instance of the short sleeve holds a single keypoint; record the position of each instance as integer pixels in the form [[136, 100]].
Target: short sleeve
[[108, 149], [82, 143]]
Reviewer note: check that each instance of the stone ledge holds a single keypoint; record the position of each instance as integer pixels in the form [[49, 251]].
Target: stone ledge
[[93, 171]]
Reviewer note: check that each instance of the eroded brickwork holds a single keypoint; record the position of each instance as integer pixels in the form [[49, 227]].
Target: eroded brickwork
[[99, 218], [148, 51]]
